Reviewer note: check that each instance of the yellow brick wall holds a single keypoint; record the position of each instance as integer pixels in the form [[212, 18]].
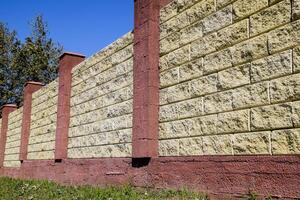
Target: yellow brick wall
[[229, 77], [43, 122], [101, 103], [13, 139]]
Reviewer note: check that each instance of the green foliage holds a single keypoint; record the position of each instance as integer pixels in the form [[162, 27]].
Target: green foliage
[[255, 196], [11, 189], [9, 46], [252, 196], [35, 59]]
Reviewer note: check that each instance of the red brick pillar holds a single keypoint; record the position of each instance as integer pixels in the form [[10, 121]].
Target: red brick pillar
[[29, 89], [6, 109], [146, 78], [164, 3], [66, 64]]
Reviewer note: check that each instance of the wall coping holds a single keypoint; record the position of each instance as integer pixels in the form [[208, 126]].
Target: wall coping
[[33, 83], [9, 105], [71, 54]]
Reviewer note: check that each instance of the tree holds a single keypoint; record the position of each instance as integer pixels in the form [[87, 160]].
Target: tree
[[9, 47], [34, 60]]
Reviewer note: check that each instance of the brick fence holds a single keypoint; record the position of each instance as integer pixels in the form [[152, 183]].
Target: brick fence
[[203, 94]]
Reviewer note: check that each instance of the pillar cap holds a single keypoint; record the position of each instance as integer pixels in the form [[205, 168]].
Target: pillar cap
[[9, 105], [33, 83], [71, 54]]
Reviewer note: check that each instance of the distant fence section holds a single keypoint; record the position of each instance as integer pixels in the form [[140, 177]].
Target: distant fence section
[[101, 103], [43, 122], [13, 140]]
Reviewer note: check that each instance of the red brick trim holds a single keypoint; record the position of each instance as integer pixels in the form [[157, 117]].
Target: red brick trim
[[219, 176], [67, 62], [146, 78], [6, 109], [29, 89]]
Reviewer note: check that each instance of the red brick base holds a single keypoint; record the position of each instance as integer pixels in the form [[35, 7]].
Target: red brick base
[[278, 176]]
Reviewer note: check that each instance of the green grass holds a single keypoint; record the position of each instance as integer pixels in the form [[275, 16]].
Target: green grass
[[12, 189]]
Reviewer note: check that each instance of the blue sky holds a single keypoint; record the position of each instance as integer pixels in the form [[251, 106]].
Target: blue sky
[[82, 26]]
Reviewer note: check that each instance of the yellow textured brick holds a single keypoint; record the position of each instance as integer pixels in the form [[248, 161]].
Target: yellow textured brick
[[232, 34], [218, 20], [249, 50], [190, 146], [271, 17], [115, 97], [218, 61], [191, 70], [187, 17], [222, 3], [50, 128], [193, 32], [272, 66], [271, 117], [175, 93], [109, 87], [12, 157], [233, 122], [96, 79], [205, 125], [284, 37], [41, 155], [112, 111], [88, 140], [296, 113], [12, 143], [296, 9], [174, 24], [217, 145], [296, 59], [170, 43], [119, 44], [175, 129], [189, 108], [168, 148], [285, 89], [12, 150], [201, 9], [13, 139], [12, 163], [118, 150], [46, 146], [244, 8], [204, 85], [175, 58], [286, 141], [47, 137], [168, 112], [44, 122], [218, 102], [119, 136], [225, 37], [175, 7], [204, 46], [234, 77], [250, 96], [251, 143]]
